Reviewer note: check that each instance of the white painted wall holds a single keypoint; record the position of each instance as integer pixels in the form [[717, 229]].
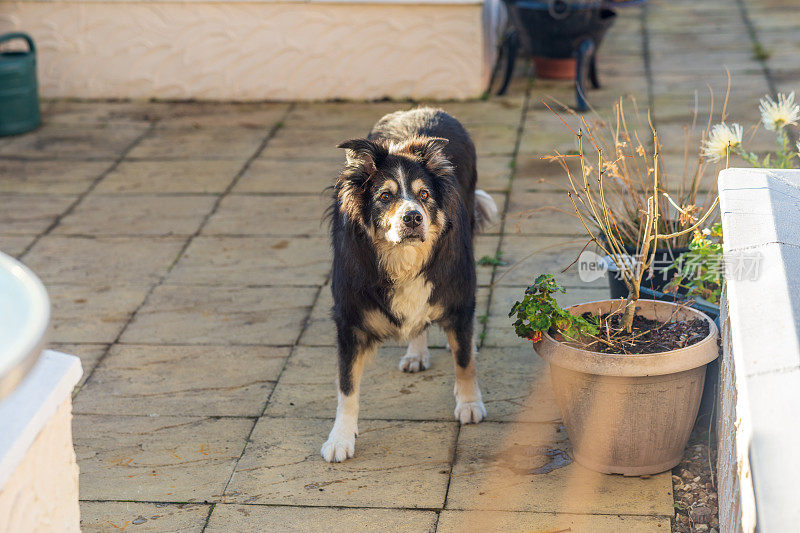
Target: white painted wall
[[254, 50]]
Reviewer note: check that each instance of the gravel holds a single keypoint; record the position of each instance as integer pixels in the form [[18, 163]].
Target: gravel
[[694, 487]]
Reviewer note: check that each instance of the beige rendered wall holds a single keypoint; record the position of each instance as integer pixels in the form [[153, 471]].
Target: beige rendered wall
[[41, 496], [259, 50]]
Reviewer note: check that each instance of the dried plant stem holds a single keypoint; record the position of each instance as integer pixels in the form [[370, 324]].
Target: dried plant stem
[[625, 201]]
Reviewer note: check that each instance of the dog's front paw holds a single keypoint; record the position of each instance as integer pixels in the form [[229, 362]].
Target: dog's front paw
[[412, 362], [338, 448], [470, 412]]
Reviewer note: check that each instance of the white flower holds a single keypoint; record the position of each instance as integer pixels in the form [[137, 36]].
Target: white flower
[[723, 138], [776, 115]]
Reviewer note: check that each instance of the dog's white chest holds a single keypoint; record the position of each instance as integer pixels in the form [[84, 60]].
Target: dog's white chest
[[410, 305]]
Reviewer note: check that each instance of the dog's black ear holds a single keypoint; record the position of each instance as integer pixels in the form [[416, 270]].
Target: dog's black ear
[[364, 154], [431, 151]]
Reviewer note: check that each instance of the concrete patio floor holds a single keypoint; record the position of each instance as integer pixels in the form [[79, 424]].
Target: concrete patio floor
[[184, 251]]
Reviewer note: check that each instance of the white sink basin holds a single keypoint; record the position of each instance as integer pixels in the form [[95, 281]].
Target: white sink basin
[[24, 317]]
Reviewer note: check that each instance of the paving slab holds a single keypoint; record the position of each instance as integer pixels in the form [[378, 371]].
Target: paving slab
[[229, 518], [136, 215], [74, 142], [542, 213], [533, 173], [182, 380], [156, 459], [221, 315], [360, 116], [314, 142], [404, 464], [14, 245], [501, 110], [270, 215], [50, 177], [190, 176], [521, 522], [30, 213], [494, 139], [89, 354], [514, 381], [106, 517], [189, 142], [278, 261], [221, 114], [495, 465], [81, 314], [531, 255], [102, 261], [290, 176], [486, 246], [74, 112], [494, 172]]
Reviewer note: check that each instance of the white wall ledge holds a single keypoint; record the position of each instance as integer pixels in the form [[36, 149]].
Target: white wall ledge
[[760, 211]]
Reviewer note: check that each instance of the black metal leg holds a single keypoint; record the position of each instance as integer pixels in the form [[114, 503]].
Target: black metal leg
[[511, 46], [506, 59], [583, 57], [593, 71]]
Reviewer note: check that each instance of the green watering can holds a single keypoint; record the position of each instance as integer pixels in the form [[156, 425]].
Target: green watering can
[[19, 99]]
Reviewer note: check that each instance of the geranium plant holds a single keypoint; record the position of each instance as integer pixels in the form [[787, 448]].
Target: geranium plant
[[539, 311]]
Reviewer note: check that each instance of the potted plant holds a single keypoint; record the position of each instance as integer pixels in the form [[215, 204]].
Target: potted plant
[[628, 166], [627, 374]]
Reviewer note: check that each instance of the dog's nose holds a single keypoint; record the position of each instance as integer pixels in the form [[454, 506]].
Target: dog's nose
[[412, 219]]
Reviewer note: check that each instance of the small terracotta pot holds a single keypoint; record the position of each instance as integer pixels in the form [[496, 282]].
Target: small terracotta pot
[[629, 414], [555, 68]]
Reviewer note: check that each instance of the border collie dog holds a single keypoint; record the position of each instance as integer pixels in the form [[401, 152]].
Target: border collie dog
[[404, 213]]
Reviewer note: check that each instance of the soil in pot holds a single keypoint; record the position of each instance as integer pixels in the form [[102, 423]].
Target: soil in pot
[[647, 336], [631, 413]]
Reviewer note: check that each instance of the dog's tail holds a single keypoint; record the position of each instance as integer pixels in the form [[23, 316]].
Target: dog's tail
[[486, 212]]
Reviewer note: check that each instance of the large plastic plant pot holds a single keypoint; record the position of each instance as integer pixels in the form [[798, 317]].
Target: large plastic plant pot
[[24, 318], [629, 414]]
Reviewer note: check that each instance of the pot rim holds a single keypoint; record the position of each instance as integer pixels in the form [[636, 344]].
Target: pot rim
[[635, 365]]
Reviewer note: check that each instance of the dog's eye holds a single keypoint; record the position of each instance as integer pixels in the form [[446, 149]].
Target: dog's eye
[[423, 195], [385, 197]]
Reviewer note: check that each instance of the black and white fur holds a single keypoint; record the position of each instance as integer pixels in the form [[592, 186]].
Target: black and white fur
[[403, 217]]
